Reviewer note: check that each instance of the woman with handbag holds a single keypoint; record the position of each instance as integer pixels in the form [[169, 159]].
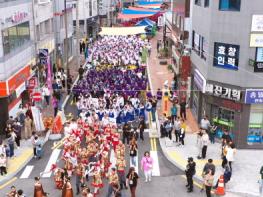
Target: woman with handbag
[[132, 180], [133, 151], [147, 165]]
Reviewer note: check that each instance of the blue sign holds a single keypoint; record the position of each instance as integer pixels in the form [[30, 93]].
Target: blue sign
[[254, 96], [226, 56]]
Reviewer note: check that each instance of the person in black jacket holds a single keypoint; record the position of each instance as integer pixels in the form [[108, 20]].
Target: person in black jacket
[[190, 172]]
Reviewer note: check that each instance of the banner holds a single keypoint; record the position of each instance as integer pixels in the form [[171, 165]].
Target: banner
[[49, 75], [37, 118]]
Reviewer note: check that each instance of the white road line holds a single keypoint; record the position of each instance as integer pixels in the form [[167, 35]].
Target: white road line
[[52, 160], [156, 167], [27, 171]]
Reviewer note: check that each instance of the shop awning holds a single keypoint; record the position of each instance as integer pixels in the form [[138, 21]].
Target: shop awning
[[133, 16], [122, 31], [143, 9]]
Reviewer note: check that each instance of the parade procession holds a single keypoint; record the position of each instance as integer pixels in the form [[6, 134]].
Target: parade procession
[[121, 98]]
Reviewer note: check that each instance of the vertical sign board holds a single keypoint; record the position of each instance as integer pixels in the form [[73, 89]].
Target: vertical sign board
[[226, 56]]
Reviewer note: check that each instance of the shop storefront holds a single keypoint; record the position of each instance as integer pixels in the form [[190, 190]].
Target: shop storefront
[[13, 94], [198, 89], [254, 97]]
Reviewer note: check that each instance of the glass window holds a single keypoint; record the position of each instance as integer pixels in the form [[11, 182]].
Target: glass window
[[90, 8], [15, 36], [6, 45], [206, 3], [198, 2], [255, 128], [204, 48], [229, 5]]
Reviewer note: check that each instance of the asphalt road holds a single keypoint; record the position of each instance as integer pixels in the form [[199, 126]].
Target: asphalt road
[[170, 183]]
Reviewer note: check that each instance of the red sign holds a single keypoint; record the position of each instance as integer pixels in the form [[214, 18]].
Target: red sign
[[232, 105], [37, 97], [9, 86]]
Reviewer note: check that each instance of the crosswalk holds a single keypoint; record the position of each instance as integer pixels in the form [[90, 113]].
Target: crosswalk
[[27, 171]]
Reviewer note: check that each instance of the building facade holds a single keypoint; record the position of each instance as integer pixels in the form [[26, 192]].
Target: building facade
[[88, 17], [227, 56], [61, 22], [17, 53]]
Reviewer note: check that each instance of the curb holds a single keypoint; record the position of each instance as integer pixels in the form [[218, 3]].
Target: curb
[[12, 175]]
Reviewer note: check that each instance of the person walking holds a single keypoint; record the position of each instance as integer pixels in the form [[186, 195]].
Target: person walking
[[154, 107], [190, 172], [38, 188], [146, 166], [81, 72], [113, 180], [67, 190], [208, 182], [177, 128], [204, 141], [33, 142], [182, 133], [80, 171], [17, 131], [133, 151], [205, 123], [126, 133], [230, 155], [199, 143], [28, 127], [132, 180], [141, 128]]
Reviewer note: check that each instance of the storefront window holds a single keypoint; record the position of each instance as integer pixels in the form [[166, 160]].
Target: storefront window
[[15, 37], [223, 119], [255, 128]]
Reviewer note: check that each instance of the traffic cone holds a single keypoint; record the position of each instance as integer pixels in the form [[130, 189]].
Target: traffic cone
[[220, 191]]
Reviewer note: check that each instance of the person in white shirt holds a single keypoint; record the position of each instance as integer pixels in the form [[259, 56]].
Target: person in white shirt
[[205, 141], [46, 94], [177, 128], [205, 123]]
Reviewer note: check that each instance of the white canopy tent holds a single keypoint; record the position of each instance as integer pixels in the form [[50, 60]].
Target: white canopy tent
[[122, 31]]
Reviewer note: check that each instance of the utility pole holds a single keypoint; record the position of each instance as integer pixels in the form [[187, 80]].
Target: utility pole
[[66, 41], [77, 33]]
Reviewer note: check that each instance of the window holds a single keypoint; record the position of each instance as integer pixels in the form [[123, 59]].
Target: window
[[207, 3], [255, 127], [16, 36], [229, 5], [196, 43], [198, 2], [90, 8], [204, 48]]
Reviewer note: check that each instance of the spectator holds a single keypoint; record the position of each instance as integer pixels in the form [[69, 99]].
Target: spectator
[[2, 148], [147, 165], [173, 113], [209, 166], [3, 163], [46, 93], [177, 128], [212, 134], [28, 127], [11, 144], [169, 128], [190, 172], [33, 142], [183, 109], [154, 107], [142, 126], [81, 72], [20, 193], [17, 131], [132, 180], [205, 123], [55, 105], [230, 155], [13, 192], [208, 182], [199, 143], [204, 141]]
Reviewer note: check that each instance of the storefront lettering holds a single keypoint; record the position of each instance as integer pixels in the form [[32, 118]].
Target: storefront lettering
[[16, 17], [224, 92]]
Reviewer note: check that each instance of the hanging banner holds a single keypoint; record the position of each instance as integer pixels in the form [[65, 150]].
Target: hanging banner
[[37, 117], [49, 75]]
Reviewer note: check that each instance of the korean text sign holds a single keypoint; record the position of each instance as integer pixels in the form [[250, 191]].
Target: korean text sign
[[226, 56], [254, 96]]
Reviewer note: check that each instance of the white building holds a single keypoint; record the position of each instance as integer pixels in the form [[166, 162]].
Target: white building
[[17, 54], [88, 17]]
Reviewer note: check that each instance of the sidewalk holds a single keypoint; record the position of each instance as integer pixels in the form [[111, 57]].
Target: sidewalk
[[248, 162], [25, 153]]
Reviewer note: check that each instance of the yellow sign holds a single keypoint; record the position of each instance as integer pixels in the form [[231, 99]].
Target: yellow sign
[[256, 40]]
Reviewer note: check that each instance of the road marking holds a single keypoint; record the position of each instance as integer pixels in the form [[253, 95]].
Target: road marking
[[52, 160], [151, 141], [26, 172], [156, 167], [7, 183], [154, 144]]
